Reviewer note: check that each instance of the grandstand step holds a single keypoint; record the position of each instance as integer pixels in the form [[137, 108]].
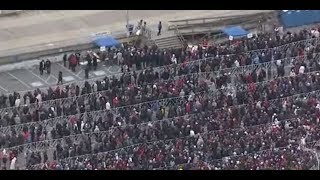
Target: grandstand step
[[169, 45], [173, 41], [168, 42], [164, 38]]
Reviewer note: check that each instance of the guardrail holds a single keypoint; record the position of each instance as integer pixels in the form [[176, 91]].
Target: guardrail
[[179, 35], [199, 20], [207, 20]]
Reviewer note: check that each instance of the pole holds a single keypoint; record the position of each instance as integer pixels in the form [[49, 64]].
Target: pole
[[127, 17]]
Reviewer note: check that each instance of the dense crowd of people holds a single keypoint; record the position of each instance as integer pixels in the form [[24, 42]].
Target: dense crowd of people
[[187, 114]]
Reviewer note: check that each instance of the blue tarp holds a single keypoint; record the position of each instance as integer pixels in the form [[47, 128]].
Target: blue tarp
[[106, 41], [235, 31], [294, 18]]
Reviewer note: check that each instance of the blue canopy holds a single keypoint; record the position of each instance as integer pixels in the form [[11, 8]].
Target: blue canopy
[[106, 41], [235, 31], [294, 18]]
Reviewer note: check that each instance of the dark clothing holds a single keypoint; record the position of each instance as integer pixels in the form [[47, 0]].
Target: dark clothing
[[65, 60], [60, 78], [87, 72], [42, 67], [48, 66], [159, 29], [95, 63], [88, 58]]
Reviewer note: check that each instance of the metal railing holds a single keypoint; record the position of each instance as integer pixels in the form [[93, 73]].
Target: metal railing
[[208, 20], [179, 35], [200, 20]]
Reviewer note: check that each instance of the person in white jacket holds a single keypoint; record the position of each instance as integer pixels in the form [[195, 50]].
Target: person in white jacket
[[236, 63], [174, 59], [96, 129], [13, 163], [27, 100], [108, 106], [39, 98], [17, 102], [301, 69], [82, 126]]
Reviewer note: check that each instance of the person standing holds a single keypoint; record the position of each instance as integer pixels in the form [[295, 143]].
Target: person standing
[[13, 163], [78, 57], [41, 67], [65, 58], [48, 66], [69, 61], [73, 62], [60, 77], [89, 60], [159, 28], [144, 28], [140, 24], [86, 72], [119, 58], [95, 62]]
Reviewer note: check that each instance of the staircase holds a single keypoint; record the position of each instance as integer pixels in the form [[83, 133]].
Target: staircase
[[167, 40]]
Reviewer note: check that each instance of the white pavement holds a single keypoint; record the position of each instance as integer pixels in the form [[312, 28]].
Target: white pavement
[[46, 27]]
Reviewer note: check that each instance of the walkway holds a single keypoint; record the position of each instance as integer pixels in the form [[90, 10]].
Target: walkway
[[46, 27]]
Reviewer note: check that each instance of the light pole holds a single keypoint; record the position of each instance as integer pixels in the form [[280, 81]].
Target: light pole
[[127, 17]]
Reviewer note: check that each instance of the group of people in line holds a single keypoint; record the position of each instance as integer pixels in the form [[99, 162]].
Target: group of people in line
[[187, 114]]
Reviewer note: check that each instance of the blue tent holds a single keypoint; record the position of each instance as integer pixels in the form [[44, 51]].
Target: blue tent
[[235, 31], [294, 18], [106, 41]]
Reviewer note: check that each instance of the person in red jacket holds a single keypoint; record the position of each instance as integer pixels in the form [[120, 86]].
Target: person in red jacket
[[188, 107], [252, 88], [205, 43], [73, 62], [115, 102], [27, 137], [249, 78], [73, 120]]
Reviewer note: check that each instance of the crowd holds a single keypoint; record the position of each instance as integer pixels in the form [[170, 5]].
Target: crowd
[[205, 117], [278, 159], [194, 139], [226, 122], [243, 53]]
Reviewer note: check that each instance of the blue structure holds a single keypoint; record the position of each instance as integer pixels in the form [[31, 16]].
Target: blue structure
[[235, 32], [106, 41], [294, 18]]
